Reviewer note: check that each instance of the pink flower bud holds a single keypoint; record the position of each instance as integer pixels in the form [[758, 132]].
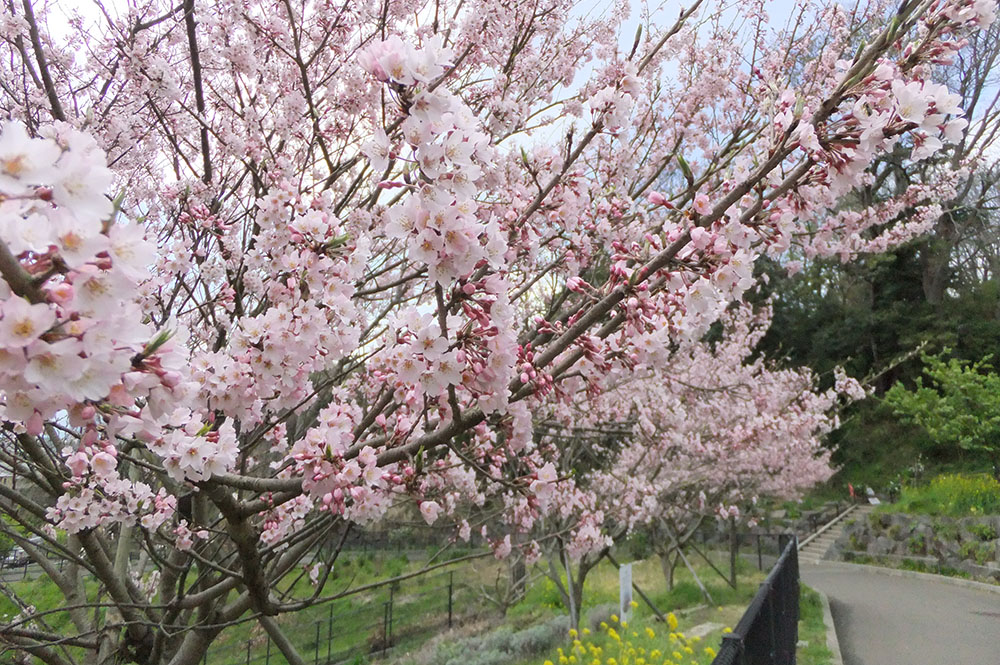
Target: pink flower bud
[[657, 199], [35, 424], [171, 380]]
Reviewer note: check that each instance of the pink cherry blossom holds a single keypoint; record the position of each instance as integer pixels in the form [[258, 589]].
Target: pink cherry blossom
[[22, 323], [430, 511]]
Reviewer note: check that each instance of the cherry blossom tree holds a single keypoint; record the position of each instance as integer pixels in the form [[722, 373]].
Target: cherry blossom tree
[[271, 268], [686, 435]]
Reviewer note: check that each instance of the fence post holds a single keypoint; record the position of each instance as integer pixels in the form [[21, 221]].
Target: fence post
[[385, 627], [267, 653], [248, 652], [734, 546], [317, 643], [329, 633], [451, 592], [392, 595], [760, 559], [773, 627]]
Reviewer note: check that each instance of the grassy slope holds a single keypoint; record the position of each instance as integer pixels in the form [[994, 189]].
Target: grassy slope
[[420, 609]]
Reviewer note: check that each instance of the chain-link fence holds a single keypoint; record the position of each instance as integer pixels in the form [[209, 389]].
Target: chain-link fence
[[768, 631]]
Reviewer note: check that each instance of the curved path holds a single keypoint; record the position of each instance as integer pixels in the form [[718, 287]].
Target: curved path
[[887, 620]]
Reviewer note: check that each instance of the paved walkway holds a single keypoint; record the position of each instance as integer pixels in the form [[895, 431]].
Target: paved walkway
[[883, 620]]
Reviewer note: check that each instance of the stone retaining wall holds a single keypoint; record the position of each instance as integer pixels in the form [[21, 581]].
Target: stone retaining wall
[[968, 544]]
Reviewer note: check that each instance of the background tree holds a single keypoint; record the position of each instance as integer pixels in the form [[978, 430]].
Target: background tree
[[960, 408], [874, 313], [688, 435]]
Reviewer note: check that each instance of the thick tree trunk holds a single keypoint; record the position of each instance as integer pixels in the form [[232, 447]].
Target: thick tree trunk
[[668, 564], [935, 257]]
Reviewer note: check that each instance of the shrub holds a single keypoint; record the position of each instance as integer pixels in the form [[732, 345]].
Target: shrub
[[599, 614], [550, 596], [498, 640], [983, 532], [481, 656], [946, 531], [536, 639]]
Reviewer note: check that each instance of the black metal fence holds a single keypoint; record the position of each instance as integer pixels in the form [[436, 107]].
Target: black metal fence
[[396, 616], [769, 630]]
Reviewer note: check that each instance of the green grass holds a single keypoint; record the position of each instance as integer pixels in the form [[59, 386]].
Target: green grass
[[542, 604], [420, 607], [358, 622], [601, 588], [812, 630], [950, 495]]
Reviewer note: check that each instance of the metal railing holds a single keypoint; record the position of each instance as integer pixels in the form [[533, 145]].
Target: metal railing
[[769, 630]]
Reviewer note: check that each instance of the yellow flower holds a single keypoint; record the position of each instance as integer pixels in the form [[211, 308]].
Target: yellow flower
[[614, 617], [572, 659], [634, 604], [563, 660], [604, 625], [677, 655], [586, 631], [572, 632], [650, 633], [672, 621], [727, 630], [655, 654], [688, 650], [548, 662], [710, 652]]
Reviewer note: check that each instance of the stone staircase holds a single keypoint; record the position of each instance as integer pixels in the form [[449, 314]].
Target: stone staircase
[[815, 547]]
